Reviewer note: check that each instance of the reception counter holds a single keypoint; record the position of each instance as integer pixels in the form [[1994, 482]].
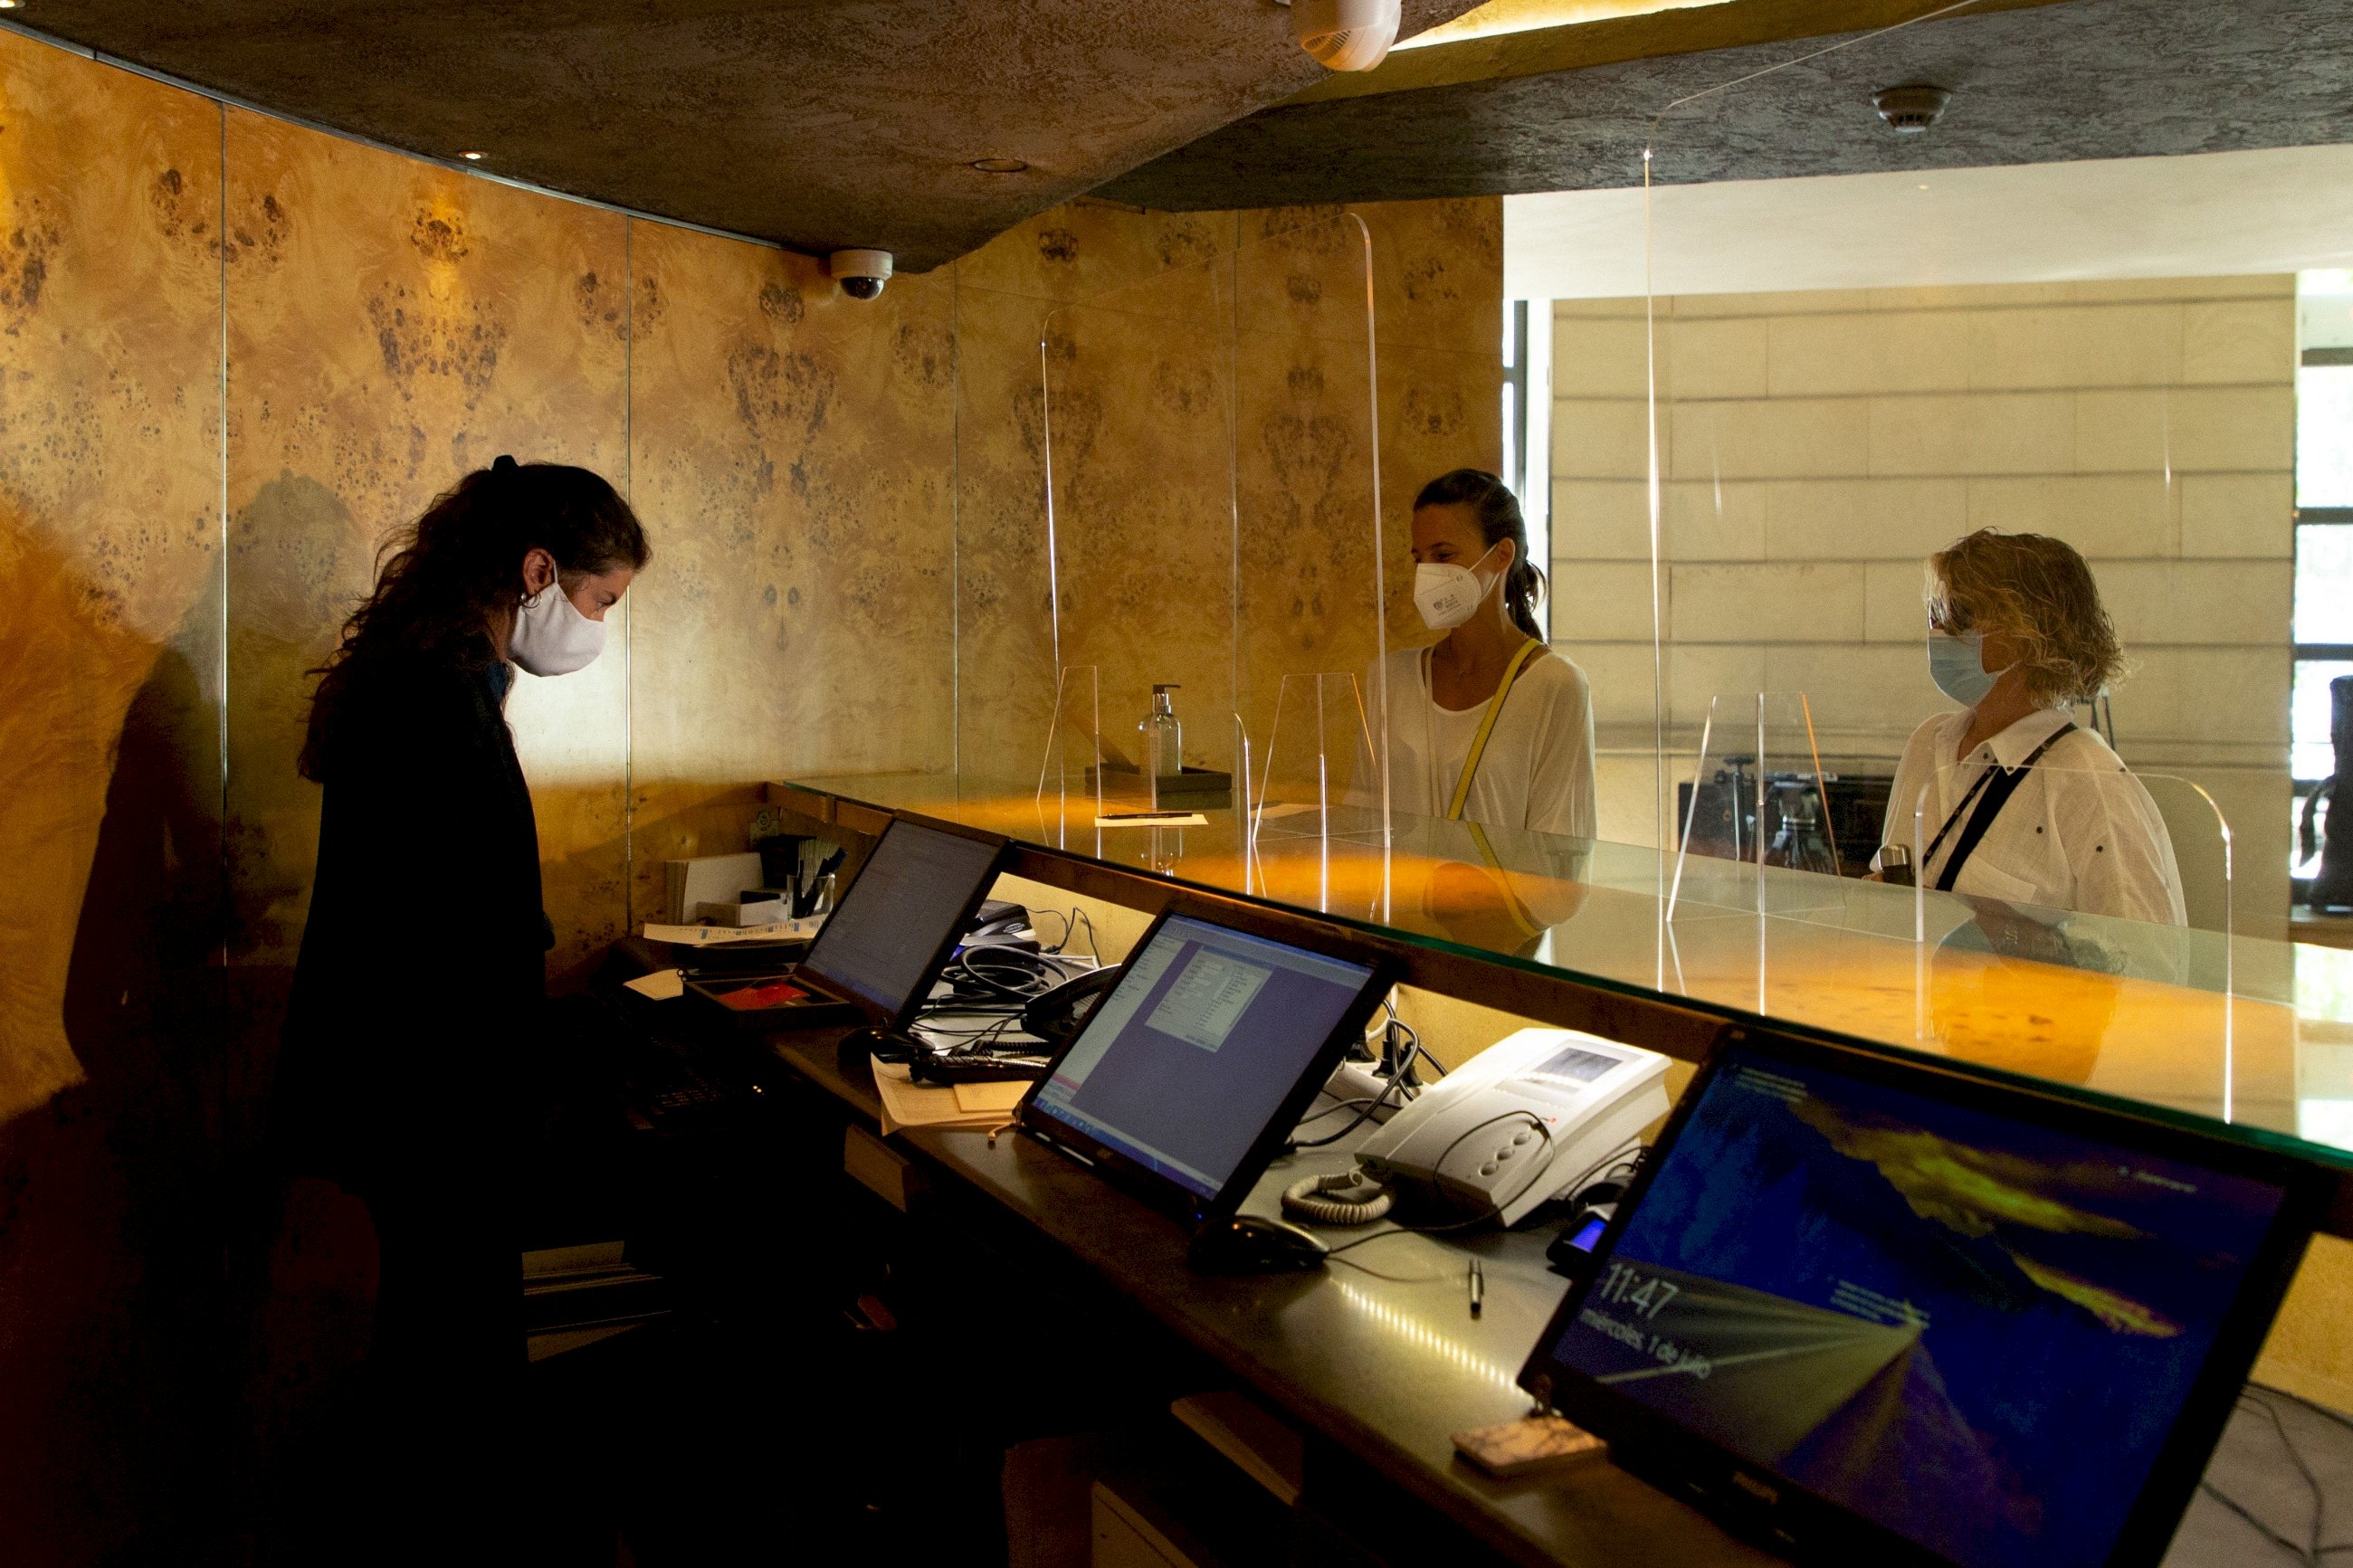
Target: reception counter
[[2247, 1038]]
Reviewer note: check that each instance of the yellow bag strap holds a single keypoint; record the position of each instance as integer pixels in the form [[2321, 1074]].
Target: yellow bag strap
[[1528, 650], [1511, 904]]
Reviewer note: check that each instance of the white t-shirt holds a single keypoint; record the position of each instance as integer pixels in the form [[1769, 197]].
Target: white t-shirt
[[2081, 833], [1536, 773]]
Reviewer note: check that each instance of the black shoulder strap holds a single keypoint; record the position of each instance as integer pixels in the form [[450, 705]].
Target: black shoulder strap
[[2004, 784]]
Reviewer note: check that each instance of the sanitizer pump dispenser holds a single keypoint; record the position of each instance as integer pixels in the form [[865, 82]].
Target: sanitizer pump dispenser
[[1164, 742]]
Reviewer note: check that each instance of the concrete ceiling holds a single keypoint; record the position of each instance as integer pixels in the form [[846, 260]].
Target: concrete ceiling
[[2080, 81], [814, 123]]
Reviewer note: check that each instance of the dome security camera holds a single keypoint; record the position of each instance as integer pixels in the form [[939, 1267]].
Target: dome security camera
[[1345, 35], [861, 273]]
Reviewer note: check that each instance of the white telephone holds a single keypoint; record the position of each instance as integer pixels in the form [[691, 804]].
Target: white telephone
[[1523, 1120]]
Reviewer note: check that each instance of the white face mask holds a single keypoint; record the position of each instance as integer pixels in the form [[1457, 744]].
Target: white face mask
[[1447, 594], [552, 636]]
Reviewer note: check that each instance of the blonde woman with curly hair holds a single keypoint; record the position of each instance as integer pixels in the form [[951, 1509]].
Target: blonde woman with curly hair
[[2016, 802]]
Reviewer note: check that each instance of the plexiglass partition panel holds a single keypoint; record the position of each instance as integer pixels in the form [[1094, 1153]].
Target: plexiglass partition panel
[[1759, 824], [1072, 778], [1232, 610], [1855, 368], [1322, 778], [1860, 366], [1140, 381]]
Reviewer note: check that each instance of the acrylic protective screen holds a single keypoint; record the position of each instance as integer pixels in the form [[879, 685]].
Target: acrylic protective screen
[[1975, 1331], [896, 919], [1197, 1048]]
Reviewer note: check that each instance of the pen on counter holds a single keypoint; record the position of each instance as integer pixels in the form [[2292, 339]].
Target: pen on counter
[[1478, 1287]]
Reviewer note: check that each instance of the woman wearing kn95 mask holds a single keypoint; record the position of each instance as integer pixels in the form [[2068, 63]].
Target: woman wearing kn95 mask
[[2014, 801], [1489, 725], [418, 996]]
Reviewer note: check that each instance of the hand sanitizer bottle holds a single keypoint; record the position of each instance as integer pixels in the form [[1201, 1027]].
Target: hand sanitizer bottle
[[1163, 749]]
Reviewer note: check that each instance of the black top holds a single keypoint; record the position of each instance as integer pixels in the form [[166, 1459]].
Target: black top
[[422, 967]]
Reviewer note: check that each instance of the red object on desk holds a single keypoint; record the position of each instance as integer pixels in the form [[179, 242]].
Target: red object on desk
[[775, 994]]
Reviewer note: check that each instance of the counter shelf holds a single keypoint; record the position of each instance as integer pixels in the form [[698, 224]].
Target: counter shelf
[[2247, 1038]]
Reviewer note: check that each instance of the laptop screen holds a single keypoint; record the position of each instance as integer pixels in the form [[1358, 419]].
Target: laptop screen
[[1976, 1331], [1196, 1050], [895, 925]]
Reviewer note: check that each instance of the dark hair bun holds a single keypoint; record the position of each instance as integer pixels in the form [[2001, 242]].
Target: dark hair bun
[[502, 465]]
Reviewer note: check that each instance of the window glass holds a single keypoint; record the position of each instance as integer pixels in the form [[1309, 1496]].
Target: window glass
[[2323, 582], [2324, 435], [2311, 756]]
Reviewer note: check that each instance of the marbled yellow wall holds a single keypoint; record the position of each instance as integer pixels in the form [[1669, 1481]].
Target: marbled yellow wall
[[1147, 344], [110, 461], [391, 326], [793, 458], [110, 592], [1213, 421], [235, 355]]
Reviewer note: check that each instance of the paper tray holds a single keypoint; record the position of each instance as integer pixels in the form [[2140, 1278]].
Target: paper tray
[[809, 1010]]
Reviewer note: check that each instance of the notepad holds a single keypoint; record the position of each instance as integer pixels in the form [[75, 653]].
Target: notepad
[[906, 1103], [661, 985], [997, 1098]]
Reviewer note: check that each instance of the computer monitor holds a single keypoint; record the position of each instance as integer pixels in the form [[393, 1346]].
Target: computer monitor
[[885, 942], [1885, 1312], [1188, 1077]]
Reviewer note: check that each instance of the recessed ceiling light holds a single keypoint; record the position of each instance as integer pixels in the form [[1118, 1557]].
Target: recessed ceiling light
[[1001, 165], [1919, 187], [473, 157]]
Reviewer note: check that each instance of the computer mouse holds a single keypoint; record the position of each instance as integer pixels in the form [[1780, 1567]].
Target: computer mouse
[[1252, 1244]]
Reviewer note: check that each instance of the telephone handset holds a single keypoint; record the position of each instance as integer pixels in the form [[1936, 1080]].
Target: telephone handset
[[1055, 1015]]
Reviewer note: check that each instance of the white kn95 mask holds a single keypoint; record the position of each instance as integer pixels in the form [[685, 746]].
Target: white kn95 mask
[[552, 636], [1448, 594]]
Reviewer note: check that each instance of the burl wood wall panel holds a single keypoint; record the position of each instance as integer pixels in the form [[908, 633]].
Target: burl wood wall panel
[[110, 803], [794, 461], [392, 326], [1142, 376], [1213, 428], [234, 357]]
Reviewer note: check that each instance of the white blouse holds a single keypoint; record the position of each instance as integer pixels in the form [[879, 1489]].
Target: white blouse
[[1536, 773], [2081, 833]]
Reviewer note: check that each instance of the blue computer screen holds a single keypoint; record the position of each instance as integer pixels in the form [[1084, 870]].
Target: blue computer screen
[[1197, 1047], [1975, 1331]]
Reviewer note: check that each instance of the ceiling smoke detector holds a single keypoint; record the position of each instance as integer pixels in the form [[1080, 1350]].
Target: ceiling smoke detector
[[1912, 108]]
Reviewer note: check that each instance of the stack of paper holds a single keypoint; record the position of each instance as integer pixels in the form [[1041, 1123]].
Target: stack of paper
[[906, 1103], [714, 936]]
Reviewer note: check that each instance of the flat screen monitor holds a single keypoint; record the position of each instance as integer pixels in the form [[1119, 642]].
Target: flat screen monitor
[[1886, 1312], [1189, 1074], [885, 942]]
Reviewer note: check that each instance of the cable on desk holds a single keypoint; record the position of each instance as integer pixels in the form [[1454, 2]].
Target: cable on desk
[[1073, 919], [1392, 1279], [1369, 1106], [2311, 1550]]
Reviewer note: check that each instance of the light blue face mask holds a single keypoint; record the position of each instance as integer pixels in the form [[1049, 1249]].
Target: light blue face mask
[[1956, 664]]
